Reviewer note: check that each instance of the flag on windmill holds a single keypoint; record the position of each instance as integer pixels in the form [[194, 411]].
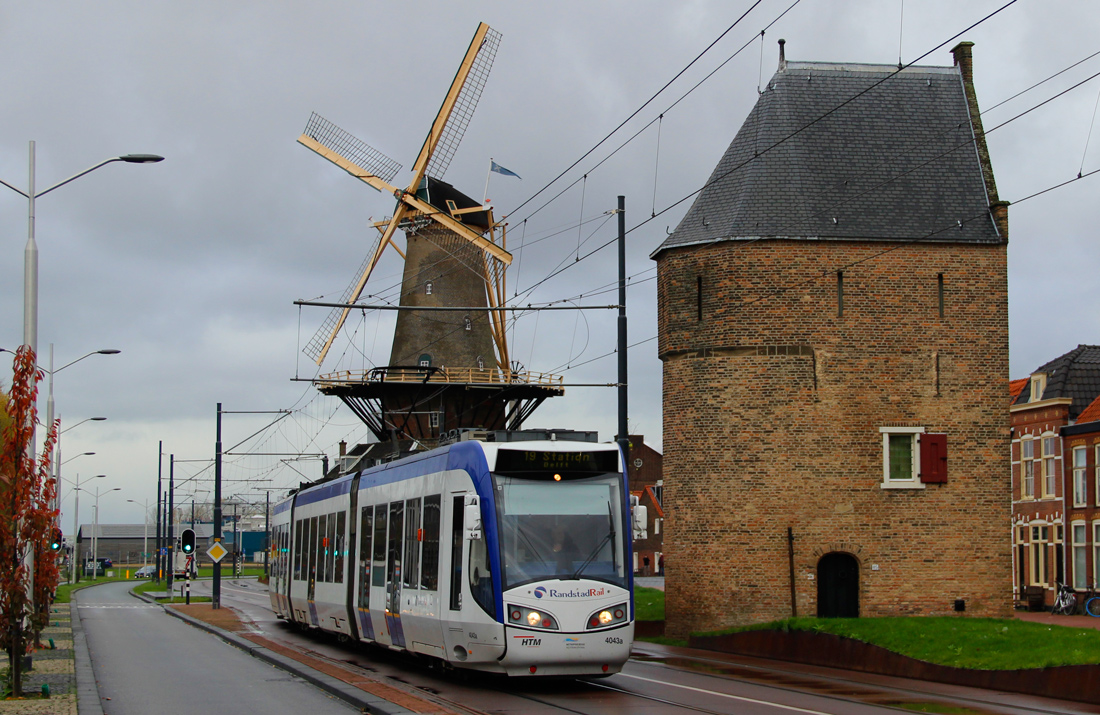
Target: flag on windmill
[[493, 166]]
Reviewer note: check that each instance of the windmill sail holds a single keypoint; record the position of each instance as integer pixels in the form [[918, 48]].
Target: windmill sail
[[353, 149], [465, 102]]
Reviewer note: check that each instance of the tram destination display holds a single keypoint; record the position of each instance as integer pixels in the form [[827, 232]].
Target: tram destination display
[[566, 463]]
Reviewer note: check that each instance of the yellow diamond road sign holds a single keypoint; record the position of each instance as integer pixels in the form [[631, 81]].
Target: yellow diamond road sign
[[217, 552]]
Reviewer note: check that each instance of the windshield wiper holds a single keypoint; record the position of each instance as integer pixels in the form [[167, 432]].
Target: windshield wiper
[[609, 537]]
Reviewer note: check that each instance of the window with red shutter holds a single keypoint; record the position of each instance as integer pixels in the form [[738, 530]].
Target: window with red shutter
[[933, 458]]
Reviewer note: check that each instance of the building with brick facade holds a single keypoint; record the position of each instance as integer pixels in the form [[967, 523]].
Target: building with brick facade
[[833, 323], [644, 473], [1056, 475]]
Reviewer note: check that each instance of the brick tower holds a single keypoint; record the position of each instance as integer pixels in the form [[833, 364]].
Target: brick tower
[[833, 323]]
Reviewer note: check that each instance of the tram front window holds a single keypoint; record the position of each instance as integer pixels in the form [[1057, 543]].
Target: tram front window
[[566, 530]]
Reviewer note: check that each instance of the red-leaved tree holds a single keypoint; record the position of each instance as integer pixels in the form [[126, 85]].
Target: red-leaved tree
[[26, 518]]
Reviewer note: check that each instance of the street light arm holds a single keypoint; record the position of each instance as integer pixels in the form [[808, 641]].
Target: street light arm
[[94, 352], [76, 176]]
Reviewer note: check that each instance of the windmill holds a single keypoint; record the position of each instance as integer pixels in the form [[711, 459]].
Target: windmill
[[448, 369]]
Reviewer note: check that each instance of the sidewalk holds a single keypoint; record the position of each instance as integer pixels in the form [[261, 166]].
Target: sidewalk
[[56, 668], [1052, 620]]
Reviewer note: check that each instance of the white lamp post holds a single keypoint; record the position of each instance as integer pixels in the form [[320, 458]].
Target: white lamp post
[[95, 531], [76, 522], [145, 519]]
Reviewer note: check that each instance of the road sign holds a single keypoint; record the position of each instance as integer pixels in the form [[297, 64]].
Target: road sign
[[217, 552]]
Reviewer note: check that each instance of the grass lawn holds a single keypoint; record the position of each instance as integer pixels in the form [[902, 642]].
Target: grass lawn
[[979, 643], [649, 604]]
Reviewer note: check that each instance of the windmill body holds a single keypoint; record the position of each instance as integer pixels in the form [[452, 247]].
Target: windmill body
[[448, 370]]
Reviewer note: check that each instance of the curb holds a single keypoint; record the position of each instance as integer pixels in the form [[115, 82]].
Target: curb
[[87, 689], [367, 702]]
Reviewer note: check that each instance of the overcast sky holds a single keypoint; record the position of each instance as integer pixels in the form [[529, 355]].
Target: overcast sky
[[190, 267]]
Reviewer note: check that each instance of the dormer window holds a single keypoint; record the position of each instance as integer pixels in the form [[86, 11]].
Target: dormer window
[[1038, 385]]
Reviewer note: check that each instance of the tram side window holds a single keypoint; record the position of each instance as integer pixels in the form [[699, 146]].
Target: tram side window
[[341, 522], [393, 568], [457, 513], [330, 548], [429, 559], [481, 578], [323, 548], [313, 547], [366, 530], [412, 543], [378, 568], [299, 550], [298, 528]]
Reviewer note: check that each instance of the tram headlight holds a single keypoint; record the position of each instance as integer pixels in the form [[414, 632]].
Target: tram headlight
[[530, 618], [608, 617]]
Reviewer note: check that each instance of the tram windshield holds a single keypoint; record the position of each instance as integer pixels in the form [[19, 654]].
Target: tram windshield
[[567, 529]]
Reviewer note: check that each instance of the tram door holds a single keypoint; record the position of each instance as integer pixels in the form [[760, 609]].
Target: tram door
[[362, 596], [394, 573], [377, 599]]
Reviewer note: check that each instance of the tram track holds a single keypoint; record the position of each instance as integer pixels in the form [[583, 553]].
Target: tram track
[[739, 684]]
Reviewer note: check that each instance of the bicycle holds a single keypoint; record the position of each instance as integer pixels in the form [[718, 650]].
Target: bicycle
[[1065, 603], [1092, 603]]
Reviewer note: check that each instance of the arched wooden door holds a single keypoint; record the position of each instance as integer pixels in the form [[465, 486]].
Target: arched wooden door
[[838, 586]]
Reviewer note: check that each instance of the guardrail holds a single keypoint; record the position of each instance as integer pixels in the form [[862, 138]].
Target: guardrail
[[453, 375]]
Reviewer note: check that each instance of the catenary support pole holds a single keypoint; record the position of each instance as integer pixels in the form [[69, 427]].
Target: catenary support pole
[[170, 527], [160, 466], [216, 588], [790, 562], [624, 440]]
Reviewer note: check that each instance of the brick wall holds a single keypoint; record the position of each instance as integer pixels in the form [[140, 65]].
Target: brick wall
[[772, 409]]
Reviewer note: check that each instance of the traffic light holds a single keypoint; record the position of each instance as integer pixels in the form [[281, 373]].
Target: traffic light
[[56, 539], [188, 540]]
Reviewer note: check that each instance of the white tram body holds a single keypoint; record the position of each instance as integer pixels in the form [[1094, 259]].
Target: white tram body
[[509, 557]]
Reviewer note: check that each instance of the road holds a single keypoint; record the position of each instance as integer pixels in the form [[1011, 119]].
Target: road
[[147, 661], [656, 681]]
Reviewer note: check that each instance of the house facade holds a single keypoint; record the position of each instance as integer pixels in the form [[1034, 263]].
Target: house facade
[[832, 320], [645, 472], [1055, 475]]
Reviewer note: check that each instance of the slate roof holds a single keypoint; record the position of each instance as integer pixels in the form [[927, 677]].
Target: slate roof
[[897, 162], [1075, 374]]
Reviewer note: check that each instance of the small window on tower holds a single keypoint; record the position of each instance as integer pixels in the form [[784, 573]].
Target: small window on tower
[[428, 288], [425, 360], [433, 420], [468, 323]]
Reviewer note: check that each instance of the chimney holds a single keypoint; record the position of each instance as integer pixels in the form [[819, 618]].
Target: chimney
[[343, 448], [964, 61], [782, 55]]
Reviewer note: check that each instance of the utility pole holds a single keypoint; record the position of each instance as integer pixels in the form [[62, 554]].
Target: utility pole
[[216, 589], [160, 465], [170, 531], [624, 440]]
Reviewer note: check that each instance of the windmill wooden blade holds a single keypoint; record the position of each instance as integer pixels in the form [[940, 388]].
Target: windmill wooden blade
[[322, 340], [458, 107], [359, 158]]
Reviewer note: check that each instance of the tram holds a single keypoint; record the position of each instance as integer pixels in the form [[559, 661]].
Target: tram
[[501, 556]]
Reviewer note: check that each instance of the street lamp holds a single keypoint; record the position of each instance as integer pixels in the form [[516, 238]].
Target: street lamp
[[76, 517], [95, 530], [145, 519], [30, 255], [57, 447]]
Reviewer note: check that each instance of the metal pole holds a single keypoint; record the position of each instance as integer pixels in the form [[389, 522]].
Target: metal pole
[[790, 561], [95, 541], [170, 529], [160, 465], [216, 588], [73, 575], [624, 440], [267, 532]]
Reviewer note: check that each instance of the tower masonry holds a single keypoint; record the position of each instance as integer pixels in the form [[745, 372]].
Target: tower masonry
[[833, 324]]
